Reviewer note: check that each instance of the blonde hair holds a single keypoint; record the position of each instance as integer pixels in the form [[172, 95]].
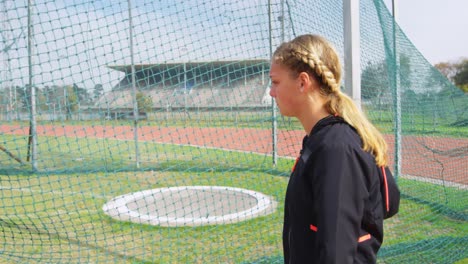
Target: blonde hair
[[316, 56]]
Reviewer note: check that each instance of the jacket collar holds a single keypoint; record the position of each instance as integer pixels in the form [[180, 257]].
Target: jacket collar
[[326, 121]]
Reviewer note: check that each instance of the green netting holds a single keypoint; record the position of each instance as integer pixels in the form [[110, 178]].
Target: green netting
[[149, 139]]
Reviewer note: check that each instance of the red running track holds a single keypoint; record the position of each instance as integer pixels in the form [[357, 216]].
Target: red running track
[[430, 157]]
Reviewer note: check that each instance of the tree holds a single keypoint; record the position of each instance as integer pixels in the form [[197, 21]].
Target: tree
[[82, 94], [144, 103], [461, 76], [98, 91], [3, 100], [373, 81], [41, 100], [456, 72], [23, 96], [375, 78], [405, 72], [70, 101], [448, 69]]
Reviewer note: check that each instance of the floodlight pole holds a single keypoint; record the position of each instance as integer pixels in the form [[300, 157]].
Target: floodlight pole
[[352, 54]]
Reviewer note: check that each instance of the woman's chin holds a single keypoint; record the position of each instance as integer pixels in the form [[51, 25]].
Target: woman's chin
[[285, 114]]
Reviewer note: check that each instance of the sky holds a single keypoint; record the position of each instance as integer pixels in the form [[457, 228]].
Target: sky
[[438, 28], [69, 52], [75, 41]]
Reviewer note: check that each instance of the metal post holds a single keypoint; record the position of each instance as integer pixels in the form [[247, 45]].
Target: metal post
[[273, 105], [282, 20], [352, 56], [5, 79], [135, 103], [65, 102], [32, 120], [396, 96], [185, 89]]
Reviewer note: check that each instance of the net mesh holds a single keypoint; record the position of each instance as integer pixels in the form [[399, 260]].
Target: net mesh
[[141, 131]]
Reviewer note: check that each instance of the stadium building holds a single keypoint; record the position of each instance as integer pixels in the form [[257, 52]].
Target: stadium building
[[191, 86]]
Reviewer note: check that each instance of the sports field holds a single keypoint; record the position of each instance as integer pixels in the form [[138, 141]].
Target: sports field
[[90, 164]]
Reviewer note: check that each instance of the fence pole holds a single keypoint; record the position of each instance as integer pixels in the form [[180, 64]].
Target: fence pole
[[5, 80], [273, 105], [134, 100], [396, 96], [352, 50], [32, 119]]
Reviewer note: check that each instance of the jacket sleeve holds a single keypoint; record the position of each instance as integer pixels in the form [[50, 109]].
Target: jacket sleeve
[[337, 174]]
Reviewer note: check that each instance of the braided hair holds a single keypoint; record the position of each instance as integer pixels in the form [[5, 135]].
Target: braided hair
[[315, 56]]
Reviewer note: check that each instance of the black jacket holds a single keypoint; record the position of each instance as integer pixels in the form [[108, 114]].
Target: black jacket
[[333, 206]]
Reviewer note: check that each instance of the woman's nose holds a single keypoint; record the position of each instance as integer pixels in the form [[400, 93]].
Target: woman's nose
[[272, 92]]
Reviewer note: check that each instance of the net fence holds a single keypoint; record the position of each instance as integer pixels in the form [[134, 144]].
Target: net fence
[[143, 131]]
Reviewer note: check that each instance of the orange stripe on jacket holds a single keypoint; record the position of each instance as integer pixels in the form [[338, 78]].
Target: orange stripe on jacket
[[364, 238], [295, 163], [387, 202]]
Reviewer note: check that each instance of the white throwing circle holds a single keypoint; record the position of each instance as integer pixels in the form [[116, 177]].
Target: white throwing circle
[[190, 206]]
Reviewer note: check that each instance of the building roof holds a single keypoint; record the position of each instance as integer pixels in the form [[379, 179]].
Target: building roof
[[236, 64]]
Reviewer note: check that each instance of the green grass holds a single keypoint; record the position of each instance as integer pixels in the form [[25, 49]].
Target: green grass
[[421, 125], [61, 215], [82, 226], [65, 155], [55, 215]]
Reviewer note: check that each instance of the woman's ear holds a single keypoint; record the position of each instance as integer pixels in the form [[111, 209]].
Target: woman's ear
[[305, 80]]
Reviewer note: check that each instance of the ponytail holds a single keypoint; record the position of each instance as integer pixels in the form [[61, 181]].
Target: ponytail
[[372, 139]]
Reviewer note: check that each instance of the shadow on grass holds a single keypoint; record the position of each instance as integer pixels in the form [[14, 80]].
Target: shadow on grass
[[436, 207], [169, 166], [439, 250], [33, 230], [267, 260]]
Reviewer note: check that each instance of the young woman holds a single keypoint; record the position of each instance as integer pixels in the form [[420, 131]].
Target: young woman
[[333, 206]]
